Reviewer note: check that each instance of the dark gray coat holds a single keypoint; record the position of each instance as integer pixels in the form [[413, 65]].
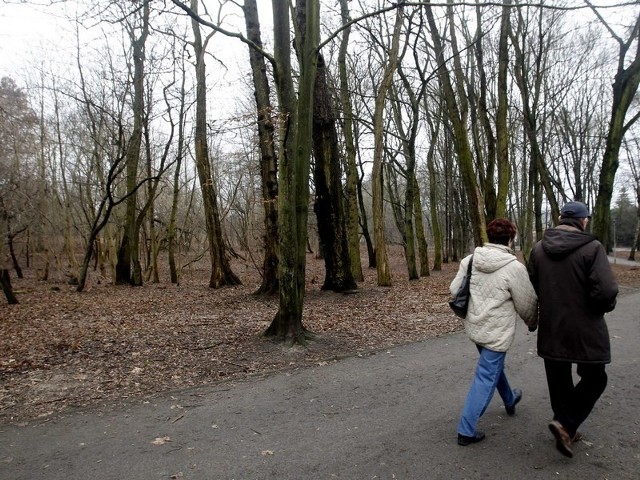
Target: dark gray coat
[[571, 274]]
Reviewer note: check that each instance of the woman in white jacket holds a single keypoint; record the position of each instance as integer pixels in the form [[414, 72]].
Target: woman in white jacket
[[500, 293]]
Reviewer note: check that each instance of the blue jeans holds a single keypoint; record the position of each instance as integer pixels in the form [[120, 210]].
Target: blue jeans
[[489, 376]]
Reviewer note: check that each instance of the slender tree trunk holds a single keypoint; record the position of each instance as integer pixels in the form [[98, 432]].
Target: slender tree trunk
[[529, 107], [364, 223], [351, 187], [462, 145], [433, 209], [486, 155], [636, 238], [434, 189], [103, 213], [221, 273], [268, 158], [423, 248], [171, 228], [152, 240], [412, 224], [128, 269], [502, 134], [12, 254], [65, 201], [382, 261], [5, 282]]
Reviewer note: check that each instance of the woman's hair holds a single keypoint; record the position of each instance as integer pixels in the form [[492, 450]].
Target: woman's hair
[[501, 231]]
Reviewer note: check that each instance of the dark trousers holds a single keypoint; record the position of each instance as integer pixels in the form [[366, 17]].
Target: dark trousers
[[572, 404]]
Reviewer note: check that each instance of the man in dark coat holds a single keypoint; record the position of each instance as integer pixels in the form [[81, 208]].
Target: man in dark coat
[[570, 272]]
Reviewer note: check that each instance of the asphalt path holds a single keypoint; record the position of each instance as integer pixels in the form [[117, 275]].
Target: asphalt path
[[388, 415]]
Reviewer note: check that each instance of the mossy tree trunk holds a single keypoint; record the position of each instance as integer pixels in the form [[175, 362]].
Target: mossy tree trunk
[[296, 125]]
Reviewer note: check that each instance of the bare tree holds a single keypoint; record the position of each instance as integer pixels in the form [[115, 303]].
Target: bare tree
[[128, 269], [18, 151], [268, 156], [456, 110], [294, 161], [351, 186], [221, 273], [327, 173], [382, 261], [632, 150], [625, 86]]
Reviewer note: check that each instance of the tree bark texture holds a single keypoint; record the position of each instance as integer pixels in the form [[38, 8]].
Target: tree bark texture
[[128, 269], [294, 162], [421, 238], [502, 133], [377, 177], [172, 227], [268, 156], [5, 281], [221, 273], [329, 205], [351, 187], [456, 116]]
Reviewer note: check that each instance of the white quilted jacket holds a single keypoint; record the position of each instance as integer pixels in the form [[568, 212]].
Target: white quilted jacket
[[500, 293]]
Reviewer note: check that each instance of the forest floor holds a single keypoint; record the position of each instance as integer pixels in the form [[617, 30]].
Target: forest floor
[[61, 350]]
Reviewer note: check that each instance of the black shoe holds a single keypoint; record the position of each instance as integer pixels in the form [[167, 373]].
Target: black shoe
[[463, 440], [517, 396]]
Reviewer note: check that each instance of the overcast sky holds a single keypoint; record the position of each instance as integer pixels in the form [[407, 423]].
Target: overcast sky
[[31, 33], [25, 31]]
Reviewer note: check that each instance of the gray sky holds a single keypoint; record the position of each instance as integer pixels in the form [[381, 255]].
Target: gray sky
[[32, 33], [25, 32]]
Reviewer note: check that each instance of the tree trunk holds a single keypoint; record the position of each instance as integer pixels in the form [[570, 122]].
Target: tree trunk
[[103, 213], [413, 226], [529, 107], [5, 281], [434, 194], [328, 205], [377, 178], [462, 144], [171, 228], [12, 254], [351, 187], [151, 245], [364, 223], [294, 162], [268, 158], [502, 133], [423, 248], [625, 87], [221, 273], [128, 268]]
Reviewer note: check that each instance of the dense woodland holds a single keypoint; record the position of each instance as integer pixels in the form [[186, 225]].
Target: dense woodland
[[355, 125]]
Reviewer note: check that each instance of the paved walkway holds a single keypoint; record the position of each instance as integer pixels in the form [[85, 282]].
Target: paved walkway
[[391, 415], [624, 261]]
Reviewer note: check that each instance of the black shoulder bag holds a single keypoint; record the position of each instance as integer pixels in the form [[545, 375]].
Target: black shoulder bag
[[460, 302]]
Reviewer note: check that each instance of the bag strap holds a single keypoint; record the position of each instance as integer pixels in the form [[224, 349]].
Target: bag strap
[[469, 266]]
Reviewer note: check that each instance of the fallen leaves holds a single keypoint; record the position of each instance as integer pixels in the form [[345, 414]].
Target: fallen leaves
[[61, 349]]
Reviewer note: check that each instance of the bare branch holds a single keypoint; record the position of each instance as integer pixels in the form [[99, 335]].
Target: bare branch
[[227, 33]]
